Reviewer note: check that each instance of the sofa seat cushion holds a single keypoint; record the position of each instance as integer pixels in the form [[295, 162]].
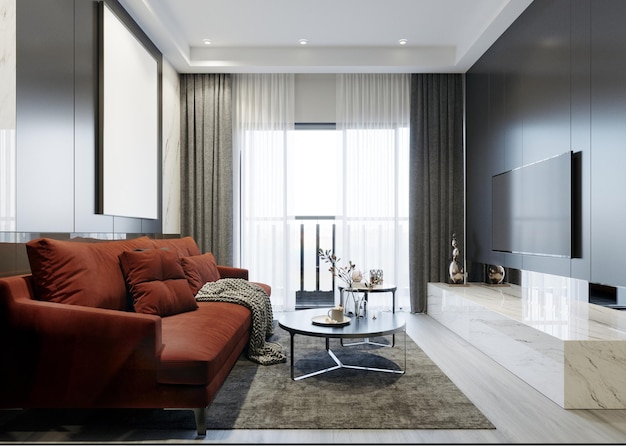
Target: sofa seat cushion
[[197, 344], [81, 273]]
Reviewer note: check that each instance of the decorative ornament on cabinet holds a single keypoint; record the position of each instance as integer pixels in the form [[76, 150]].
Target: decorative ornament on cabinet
[[455, 270], [495, 275]]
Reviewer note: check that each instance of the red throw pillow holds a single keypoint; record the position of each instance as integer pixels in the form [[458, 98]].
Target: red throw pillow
[[200, 270], [81, 273], [157, 282]]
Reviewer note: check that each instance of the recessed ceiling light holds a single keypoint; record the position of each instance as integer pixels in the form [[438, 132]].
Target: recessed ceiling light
[[207, 41], [303, 41], [402, 41]]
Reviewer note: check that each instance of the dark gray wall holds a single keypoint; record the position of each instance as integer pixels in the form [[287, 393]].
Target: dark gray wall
[[45, 116], [554, 81], [56, 126], [56, 129], [608, 140]]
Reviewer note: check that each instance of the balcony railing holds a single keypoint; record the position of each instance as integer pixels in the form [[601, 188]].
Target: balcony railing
[[316, 297]]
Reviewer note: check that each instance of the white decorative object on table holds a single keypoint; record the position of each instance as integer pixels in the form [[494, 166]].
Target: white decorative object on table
[[376, 276]]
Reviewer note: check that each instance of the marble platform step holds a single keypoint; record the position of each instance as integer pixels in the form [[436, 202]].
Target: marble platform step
[[546, 333]]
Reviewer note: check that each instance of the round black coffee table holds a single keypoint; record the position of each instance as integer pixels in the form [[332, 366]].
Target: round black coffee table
[[301, 322]]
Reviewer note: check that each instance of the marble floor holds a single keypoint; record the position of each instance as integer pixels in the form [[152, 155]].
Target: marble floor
[[520, 413]]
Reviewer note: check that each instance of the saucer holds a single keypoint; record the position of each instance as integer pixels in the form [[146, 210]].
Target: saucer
[[324, 321]]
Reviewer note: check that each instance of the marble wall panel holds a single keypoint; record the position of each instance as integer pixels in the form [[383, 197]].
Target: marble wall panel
[[171, 150], [7, 64], [7, 115]]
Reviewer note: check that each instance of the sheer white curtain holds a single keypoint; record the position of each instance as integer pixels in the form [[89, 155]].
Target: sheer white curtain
[[373, 115], [263, 106]]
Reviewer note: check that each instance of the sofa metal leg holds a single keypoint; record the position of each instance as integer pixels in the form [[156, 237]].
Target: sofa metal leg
[[200, 414]]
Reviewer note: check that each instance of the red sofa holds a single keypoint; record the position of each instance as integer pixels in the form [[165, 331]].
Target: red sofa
[[73, 338]]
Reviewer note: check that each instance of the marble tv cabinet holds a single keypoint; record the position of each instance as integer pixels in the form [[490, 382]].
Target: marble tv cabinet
[[546, 333]]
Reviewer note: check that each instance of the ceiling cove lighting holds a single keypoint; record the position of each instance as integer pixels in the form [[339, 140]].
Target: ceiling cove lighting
[[402, 41]]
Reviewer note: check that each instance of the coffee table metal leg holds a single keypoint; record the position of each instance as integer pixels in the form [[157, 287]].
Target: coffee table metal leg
[[319, 372], [367, 341], [291, 348], [339, 364], [358, 367]]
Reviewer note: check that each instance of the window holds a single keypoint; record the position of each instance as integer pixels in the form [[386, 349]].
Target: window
[[314, 166], [294, 177]]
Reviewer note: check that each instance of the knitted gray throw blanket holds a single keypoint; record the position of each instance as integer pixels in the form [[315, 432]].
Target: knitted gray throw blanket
[[242, 292]]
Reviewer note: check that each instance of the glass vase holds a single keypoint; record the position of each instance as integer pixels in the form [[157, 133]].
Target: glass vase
[[354, 305]]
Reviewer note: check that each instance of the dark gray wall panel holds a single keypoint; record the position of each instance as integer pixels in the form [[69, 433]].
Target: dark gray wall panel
[[511, 123], [564, 64], [485, 158], [45, 116], [57, 111], [149, 226], [529, 117], [608, 140], [86, 118], [127, 224], [548, 265], [543, 72], [478, 209], [581, 137], [498, 147]]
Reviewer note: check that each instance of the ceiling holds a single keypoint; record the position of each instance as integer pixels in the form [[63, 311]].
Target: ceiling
[[344, 36]]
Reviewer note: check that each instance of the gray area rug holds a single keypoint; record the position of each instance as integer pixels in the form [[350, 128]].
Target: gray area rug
[[265, 397]]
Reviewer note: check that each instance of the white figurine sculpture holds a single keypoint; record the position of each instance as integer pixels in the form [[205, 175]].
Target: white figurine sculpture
[[455, 269]]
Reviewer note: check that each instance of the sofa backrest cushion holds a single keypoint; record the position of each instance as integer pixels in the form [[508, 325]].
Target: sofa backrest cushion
[[185, 246], [81, 273], [200, 270], [157, 282]]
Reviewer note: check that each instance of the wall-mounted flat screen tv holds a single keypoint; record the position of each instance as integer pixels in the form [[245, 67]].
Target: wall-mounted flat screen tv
[[532, 208]]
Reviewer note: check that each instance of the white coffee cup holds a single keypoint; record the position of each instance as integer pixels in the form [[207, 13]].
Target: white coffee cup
[[336, 314]]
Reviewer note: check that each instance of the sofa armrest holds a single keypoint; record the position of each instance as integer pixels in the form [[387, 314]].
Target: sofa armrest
[[67, 355], [231, 272]]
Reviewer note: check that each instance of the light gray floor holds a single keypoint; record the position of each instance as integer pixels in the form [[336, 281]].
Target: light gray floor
[[519, 412]]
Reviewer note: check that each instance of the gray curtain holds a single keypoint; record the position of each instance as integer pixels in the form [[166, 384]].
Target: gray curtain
[[206, 160], [436, 189]]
